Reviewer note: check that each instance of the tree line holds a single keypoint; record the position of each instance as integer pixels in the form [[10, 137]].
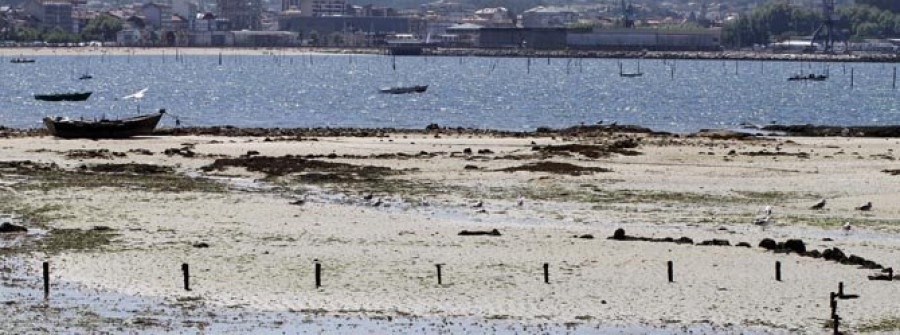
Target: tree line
[[778, 21], [101, 28]]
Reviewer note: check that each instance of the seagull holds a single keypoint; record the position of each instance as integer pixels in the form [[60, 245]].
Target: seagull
[[847, 227], [866, 207], [520, 201], [768, 211], [819, 205], [368, 196], [137, 95], [377, 203], [763, 222], [478, 204]]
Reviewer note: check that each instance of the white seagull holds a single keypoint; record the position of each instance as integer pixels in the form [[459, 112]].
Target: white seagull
[[768, 211], [520, 201], [137, 95], [847, 227]]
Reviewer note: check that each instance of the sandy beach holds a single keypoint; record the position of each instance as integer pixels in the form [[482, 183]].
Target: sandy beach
[[253, 215]]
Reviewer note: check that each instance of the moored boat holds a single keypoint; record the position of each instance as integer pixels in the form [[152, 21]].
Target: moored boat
[[813, 77], [134, 126], [78, 96], [405, 89], [21, 60]]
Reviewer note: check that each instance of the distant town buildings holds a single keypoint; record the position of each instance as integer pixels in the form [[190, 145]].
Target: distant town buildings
[[323, 7], [243, 14], [51, 14]]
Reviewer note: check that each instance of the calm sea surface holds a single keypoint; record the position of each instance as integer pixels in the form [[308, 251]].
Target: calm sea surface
[[499, 93]]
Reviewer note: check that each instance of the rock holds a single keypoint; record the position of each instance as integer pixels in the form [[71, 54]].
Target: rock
[[101, 228], [432, 126], [834, 254], [743, 244], [684, 240], [768, 244], [485, 151], [201, 245], [7, 227], [467, 151], [827, 239], [252, 153], [587, 236], [795, 245], [619, 235], [470, 167], [813, 254], [715, 241], [493, 232]]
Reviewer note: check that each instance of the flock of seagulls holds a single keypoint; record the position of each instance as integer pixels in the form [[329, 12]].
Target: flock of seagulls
[[847, 227]]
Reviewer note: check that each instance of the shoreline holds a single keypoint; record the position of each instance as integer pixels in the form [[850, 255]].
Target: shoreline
[[452, 52], [798, 130]]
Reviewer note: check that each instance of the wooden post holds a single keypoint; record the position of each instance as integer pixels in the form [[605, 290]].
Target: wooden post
[[836, 323], [187, 276], [890, 272], [546, 273], [840, 289], [851, 77], [777, 271], [672, 71], [318, 274], [220, 58], [894, 82], [46, 280], [833, 304], [439, 273], [735, 68], [671, 272]]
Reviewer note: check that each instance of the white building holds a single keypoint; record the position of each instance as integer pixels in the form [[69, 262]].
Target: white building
[[549, 17]]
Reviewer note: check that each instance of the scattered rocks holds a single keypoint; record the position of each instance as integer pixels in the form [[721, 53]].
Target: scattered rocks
[[141, 151], [768, 244], [132, 168], [622, 147], [557, 168], [795, 245], [619, 235], [493, 232], [184, 152], [715, 242], [93, 154], [280, 166]]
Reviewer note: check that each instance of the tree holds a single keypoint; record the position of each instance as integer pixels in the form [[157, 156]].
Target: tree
[[102, 28]]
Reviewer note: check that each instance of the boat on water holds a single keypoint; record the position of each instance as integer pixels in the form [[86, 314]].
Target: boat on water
[[85, 76], [404, 89], [21, 60], [77, 96], [103, 128], [813, 77]]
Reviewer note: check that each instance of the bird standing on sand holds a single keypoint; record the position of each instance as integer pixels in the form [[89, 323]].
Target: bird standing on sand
[[478, 204], [819, 205], [520, 201], [763, 222], [866, 207], [847, 227], [768, 211]]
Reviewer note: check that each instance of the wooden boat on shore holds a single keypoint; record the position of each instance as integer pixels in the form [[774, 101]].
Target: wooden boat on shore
[[813, 77], [134, 126], [79, 96], [21, 60], [405, 89]]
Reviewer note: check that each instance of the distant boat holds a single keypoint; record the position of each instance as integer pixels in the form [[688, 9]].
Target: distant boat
[[404, 89], [21, 60], [80, 96], [134, 126], [85, 76], [813, 77]]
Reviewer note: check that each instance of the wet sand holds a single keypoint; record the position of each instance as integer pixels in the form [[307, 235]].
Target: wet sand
[[266, 218]]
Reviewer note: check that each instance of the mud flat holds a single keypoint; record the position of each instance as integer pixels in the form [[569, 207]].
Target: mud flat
[[252, 215]]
